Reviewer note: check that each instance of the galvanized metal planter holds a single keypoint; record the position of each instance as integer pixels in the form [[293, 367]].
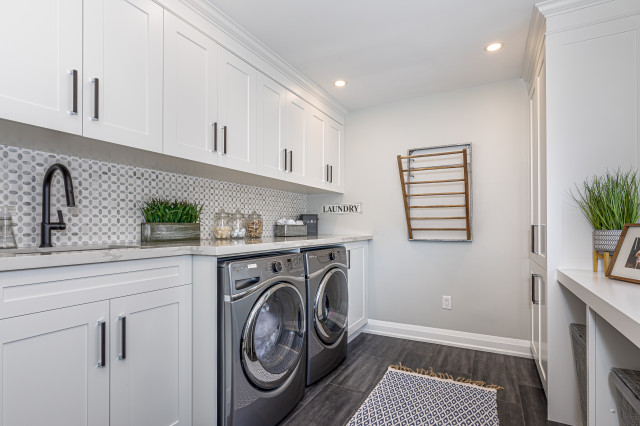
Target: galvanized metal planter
[[153, 232], [605, 240], [290, 230]]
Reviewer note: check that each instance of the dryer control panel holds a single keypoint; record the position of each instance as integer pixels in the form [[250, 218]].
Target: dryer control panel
[[246, 273]]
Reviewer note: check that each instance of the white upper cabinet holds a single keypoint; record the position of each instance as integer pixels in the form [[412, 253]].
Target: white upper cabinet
[[237, 109], [55, 369], [334, 155], [271, 102], [296, 122], [41, 48], [123, 72], [314, 153], [190, 92]]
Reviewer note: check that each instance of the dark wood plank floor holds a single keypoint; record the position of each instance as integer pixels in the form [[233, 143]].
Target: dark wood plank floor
[[334, 399]]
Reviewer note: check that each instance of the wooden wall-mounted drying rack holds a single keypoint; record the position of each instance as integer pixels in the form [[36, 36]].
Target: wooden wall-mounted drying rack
[[441, 175]]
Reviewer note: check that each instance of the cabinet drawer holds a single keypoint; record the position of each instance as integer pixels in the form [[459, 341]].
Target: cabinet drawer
[[29, 291]]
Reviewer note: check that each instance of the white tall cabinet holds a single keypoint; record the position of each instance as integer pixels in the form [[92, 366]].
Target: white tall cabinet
[[583, 75], [42, 87], [358, 263], [123, 54]]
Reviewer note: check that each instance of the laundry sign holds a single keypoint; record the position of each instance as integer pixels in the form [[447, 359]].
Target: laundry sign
[[344, 208]]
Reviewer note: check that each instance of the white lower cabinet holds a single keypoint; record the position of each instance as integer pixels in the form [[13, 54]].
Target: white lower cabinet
[[122, 361], [50, 367], [150, 358], [358, 262]]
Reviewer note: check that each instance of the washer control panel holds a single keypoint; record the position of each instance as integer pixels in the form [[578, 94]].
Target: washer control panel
[[247, 273]]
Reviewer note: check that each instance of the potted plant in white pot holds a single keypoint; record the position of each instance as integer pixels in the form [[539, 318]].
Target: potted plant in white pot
[[170, 220], [609, 202]]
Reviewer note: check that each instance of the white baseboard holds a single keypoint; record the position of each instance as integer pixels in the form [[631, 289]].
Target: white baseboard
[[481, 342]]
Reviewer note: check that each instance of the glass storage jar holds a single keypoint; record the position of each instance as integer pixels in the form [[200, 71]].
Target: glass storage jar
[[238, 225], [254, 225], [222, 225], [7, 239]]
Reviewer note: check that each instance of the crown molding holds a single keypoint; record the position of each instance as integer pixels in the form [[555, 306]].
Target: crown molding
[[558, 7], [534, 47], [226, 24]]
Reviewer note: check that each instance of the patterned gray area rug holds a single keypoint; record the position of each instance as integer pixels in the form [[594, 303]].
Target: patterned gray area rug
[[406, 398]]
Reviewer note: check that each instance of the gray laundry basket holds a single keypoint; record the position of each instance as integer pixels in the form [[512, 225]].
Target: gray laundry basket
[[627, 384], [579, 344]]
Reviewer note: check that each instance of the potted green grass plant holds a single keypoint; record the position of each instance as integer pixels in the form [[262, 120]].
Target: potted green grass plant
[[609, 202], [167, 220]]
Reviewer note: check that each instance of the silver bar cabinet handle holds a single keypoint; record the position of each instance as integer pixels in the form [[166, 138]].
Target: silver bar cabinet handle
[[123, 337], [285, 160], [534, 299], [290, 161], [96, 99], [327, 172], [331, 169], [533, 239], [102, 360], [74, 107]]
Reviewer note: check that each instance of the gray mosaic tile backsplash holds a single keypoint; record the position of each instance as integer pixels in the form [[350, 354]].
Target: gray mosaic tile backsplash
[[107, 198]]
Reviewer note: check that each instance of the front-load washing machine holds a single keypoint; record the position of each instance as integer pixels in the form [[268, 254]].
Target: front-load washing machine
[[327, 310], [261, 339]]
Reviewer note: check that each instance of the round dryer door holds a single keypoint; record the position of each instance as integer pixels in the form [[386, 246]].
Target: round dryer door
[[273, 336], [331, 306]]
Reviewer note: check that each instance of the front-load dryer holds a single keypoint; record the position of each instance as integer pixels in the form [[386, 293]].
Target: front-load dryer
[[261, 339], [327, 310]]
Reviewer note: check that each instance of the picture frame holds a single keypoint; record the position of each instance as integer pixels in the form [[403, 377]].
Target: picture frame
[[625, 263]]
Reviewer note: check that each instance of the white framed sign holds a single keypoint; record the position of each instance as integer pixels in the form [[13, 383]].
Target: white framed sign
[[343, 208]]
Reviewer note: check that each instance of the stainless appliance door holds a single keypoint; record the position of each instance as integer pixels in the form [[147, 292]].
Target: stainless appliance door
[[273, 337], [331, 306]]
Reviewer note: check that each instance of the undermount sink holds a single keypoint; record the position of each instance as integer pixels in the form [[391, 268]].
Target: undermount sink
[[58, 249]]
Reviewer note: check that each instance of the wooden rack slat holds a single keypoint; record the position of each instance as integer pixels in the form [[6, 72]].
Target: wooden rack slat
[[422, 169], [439, 229], [434, 181], [450, 206], [436, 193], [425, 193], [431, 155], [439, 218]]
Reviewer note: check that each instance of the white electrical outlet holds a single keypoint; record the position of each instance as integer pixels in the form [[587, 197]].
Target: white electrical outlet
[[446, 302]]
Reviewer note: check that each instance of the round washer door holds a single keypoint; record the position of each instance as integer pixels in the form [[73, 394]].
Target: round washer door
[[273, 336], [331, 306]]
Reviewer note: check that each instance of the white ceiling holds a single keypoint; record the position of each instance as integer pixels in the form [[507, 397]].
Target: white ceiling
[[390, 50]]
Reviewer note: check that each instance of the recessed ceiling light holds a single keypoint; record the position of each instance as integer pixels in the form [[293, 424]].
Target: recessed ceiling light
[[493, 47], [339, 83]]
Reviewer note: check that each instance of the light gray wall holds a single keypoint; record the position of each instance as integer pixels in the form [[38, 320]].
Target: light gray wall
[[487, 278]]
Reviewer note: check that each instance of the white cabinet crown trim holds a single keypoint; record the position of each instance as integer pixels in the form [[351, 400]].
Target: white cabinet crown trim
[[229, 26]]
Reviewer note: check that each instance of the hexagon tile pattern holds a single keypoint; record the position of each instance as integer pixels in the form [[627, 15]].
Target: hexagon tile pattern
[[108, 195]]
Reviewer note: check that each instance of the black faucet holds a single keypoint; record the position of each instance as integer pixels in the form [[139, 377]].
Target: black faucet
[[46, 226]]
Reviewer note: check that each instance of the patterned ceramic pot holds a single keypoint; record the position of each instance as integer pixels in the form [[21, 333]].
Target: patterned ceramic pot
[[605, 240]]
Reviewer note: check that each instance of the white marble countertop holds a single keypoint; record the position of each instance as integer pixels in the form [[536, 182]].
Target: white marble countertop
[[617, 302], [79, 255]]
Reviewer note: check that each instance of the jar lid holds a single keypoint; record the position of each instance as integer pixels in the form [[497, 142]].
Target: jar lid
[[238, 214], [254, 216], [222, 213]]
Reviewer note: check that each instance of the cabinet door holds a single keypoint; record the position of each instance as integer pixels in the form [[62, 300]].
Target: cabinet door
[[151, 358], [50, 372], [237, 109], [190, 92], [538, 203], [296, 137], [271, 102], [334, 155], [538, 303], [41, 46], [315, 147], [357, 254], [123, 72]]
